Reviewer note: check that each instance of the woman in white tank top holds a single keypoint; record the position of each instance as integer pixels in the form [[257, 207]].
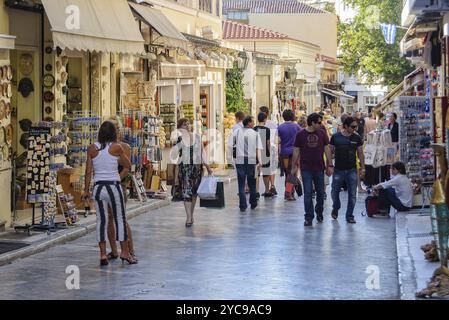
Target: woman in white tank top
[[103, 158]]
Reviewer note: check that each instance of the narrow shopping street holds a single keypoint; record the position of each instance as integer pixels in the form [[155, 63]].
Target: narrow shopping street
[[262, 254]]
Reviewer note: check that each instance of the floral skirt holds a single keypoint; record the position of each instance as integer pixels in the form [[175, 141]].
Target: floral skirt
[[190, 178]]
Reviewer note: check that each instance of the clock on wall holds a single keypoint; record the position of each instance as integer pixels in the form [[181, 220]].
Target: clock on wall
[[49, 81]]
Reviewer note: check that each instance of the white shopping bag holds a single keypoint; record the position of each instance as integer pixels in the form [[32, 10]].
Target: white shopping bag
[[208, 188], [370, 154]]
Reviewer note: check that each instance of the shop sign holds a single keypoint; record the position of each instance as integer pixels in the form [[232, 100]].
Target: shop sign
[[176, 71]]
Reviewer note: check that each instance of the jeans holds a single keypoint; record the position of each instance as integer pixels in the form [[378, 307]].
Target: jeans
[[387, 198], [246, 172], [310, 179], [338, 180]]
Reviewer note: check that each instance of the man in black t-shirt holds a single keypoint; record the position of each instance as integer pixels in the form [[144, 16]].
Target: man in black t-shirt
[[393, 126], [346, 146]]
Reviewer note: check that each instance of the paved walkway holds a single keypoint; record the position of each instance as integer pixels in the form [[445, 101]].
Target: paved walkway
[[263, 254]]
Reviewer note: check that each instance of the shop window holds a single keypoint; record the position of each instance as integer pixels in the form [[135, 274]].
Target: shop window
[[371, 101], [205, 5]]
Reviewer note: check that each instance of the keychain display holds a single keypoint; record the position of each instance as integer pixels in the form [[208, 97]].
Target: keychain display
[[415, 139]]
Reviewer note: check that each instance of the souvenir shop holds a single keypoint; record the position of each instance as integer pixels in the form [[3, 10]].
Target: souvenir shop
[[64, 85]]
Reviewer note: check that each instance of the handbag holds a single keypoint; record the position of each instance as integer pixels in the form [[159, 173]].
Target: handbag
[[370, 154], [298, 189]]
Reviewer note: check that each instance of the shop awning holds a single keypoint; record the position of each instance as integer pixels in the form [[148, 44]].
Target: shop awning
[[155, 18], [396, 92], [337, 94], [7, 41], [104, 25]]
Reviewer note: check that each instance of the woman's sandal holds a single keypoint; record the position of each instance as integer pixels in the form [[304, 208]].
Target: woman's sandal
[[129, 260], [112, 256], [104, 262]]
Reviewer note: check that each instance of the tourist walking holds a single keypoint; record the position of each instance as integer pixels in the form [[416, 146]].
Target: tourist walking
[[103, 158], [191, 160], [346, 145], [265, 137], [248, 147], [273, 126], [287, 134], [311, 145], [123, 172]]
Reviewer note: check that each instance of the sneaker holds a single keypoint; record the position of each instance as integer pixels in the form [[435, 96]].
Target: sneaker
[[319, 217], [273, 191], [334, 214], [307, 223], [350, 220]]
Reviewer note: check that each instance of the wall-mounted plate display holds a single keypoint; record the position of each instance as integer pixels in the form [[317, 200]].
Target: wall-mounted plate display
[[48, 67], [48, 50], [48, 110]]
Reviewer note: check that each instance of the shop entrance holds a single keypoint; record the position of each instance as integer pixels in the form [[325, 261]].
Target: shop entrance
[[263, 93]]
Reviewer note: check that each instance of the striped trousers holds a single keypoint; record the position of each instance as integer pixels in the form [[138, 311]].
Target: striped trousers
[[109, 194]]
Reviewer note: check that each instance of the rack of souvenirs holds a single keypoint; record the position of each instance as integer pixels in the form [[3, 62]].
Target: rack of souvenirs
[[45, 149], [415, 139], [167, 113]]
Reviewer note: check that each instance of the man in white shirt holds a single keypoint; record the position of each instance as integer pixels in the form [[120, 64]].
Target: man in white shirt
[[273, 126], [396, 192], [239, 116], [248, 148]]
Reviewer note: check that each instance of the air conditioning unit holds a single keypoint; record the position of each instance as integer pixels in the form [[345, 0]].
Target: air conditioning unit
[[419, 6]]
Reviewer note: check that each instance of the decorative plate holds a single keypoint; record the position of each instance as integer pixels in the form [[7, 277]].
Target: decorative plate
[[9, 73], [8, 109], [5, 72], [2, 109], [48, 50], [48, 67], [9, 134], [48, 110], [8, 90], [49, 80], [49, 96], [2, 135], [5, 152]]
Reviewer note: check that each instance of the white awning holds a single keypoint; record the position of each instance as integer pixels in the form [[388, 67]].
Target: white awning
[[337, 94], [104, 25], [7, 41], [155, 18]]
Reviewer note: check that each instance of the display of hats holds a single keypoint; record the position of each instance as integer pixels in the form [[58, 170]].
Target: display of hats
[[9, 134], [2, 110], [26, 87], [26, 64], [25, 124], [49, 96]]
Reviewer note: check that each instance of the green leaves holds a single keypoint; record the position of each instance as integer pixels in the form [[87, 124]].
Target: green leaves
[[364, 50], [235, 96]]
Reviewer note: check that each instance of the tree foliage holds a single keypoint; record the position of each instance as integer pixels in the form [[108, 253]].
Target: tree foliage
[[364, 49], [235, 96]]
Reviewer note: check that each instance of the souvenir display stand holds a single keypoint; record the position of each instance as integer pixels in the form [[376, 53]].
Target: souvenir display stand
[[44, 156], [379, 155], [415, 137], [83, 132]]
